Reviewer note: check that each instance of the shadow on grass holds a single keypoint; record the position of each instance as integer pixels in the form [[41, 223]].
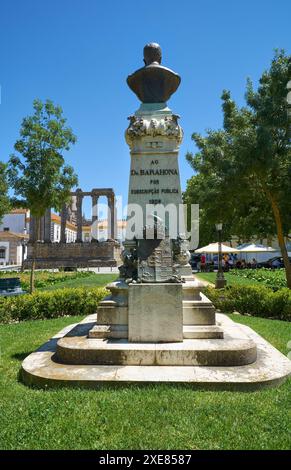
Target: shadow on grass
[[48, 346], [21, 356]]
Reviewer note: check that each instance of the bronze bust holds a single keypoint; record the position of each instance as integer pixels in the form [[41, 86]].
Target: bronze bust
[[153, 83]]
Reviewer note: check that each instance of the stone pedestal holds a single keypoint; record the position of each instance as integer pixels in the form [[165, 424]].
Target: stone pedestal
[[154, 137], [155, 313], [116, 320], [198, 310], [112, 313]]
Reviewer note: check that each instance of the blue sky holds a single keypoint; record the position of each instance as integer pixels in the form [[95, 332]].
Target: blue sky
[[79, 52]]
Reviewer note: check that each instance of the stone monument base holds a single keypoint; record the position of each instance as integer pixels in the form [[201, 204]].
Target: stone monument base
[[155, 313], [243, 360], [164, 312], [157, 333], [235, 349]]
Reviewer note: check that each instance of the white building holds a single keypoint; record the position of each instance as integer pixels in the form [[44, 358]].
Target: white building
[[103, 231], [16, 221], [12, 248], [71, 230], [13, 237]]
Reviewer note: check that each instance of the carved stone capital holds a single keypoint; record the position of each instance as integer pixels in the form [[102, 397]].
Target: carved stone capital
[[166, 126]]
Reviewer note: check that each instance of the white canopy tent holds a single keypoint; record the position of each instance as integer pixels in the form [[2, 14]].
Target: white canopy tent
[[255, 248], [213, 248], [261, 252]]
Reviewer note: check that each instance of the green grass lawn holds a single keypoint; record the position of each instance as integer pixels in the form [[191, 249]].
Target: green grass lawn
[[48, 280], [136, 417], [95, 280], [231, 280]]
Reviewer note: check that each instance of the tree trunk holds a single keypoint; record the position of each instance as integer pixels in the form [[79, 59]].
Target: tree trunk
[[281, 240], [32, 271]]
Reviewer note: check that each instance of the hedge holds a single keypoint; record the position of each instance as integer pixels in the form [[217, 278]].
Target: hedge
[[258, 301], [50, 304]]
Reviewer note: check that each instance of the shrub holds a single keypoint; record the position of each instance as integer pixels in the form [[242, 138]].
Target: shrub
[[50, 304], [273, 278], [254, 300]]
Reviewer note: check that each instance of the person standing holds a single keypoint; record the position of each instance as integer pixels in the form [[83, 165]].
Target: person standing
[[203, 262]]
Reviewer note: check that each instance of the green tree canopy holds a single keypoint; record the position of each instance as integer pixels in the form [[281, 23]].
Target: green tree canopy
[[4, 199], [244, 170], [37, 172]]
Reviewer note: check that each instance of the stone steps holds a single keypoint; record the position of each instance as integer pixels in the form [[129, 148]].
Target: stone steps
[[202, 332], [189, 332], [109, 331], [270, 369], [74, 349], [198, 311]]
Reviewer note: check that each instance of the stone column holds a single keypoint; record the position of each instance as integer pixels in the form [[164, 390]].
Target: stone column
[[47, 226], [111, 216], [79, 215], [32, 229], [73, 207], [94, 226], [63, 224]]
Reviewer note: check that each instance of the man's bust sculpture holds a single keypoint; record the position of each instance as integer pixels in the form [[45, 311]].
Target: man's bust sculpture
[[153, 83]]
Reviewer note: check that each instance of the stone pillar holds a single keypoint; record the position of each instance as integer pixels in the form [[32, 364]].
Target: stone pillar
[[111, 216], [73, 207], [94, 226], [32, 229], [63, 224], [74, 203], [47, 226], [79, 215]]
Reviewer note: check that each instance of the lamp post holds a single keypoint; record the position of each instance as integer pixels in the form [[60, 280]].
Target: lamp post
[[220, 282]]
